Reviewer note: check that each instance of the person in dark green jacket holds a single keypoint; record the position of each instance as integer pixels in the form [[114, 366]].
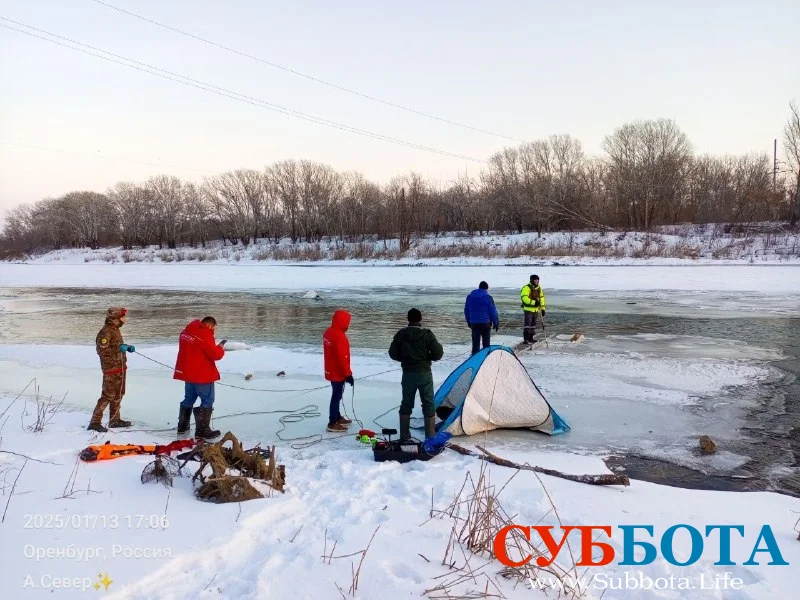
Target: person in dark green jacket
[[415, 347]]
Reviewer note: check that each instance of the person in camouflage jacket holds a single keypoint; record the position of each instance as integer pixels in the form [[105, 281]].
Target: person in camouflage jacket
[[112, 350]]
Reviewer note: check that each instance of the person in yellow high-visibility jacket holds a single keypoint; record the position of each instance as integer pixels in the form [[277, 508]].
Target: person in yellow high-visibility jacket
[[532, 297]]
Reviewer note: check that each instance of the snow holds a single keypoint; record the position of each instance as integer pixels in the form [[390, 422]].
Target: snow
[[588, 384], [766, 243], [676, 386], [760, 280], [272, 548]]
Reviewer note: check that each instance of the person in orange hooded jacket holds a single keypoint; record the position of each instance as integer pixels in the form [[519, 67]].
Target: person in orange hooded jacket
[[336, 354]]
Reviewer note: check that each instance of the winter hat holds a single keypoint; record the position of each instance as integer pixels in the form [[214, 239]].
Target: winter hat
[[534, 277], [116, 312], [483, 285], [414, 316]]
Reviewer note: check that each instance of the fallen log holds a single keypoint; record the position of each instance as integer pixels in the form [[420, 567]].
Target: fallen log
[[604, 479]]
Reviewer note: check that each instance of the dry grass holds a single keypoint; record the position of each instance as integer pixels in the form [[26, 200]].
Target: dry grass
[[355, 571], [46, 409], [720, 241], [477, 515]]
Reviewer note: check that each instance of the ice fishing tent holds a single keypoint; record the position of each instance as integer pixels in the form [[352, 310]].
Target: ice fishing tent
[[493, 390]]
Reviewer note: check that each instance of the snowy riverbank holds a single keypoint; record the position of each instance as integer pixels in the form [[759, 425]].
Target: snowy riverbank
[[157, 542], [678, 245]]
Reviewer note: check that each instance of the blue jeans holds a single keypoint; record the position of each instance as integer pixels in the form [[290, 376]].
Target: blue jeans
[[205, 391], [337, 391]]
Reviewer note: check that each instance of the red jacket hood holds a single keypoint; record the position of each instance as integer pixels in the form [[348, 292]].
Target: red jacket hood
[[197, 355], [341, 320], [196, 327]]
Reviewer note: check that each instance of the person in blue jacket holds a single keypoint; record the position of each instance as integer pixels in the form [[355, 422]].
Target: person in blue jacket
[[481, 315]]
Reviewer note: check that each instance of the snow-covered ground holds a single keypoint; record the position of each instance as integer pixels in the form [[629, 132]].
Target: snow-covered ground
[[272, 548], [668, 245], [655, 396], [157, 542]]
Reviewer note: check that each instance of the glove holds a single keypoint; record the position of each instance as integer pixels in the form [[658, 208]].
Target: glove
[[350, 380], [535, 303], [496, 327], [469, 324], [127, 348], [542, 312]]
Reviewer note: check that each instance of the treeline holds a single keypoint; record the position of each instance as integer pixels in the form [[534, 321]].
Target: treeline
[[648, 176]]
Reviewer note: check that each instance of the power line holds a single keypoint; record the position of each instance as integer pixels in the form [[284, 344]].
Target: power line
[[307, 76], [220, 91]]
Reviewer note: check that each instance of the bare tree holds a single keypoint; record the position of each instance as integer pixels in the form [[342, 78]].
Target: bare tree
[[167, 208], [282, 179], [197, 214], [18, 230], [316, 185], [90, 219], [359, 201], [131, 202], [504, 181], [648, 176], [238, 199], [791, 144], [648, 166]]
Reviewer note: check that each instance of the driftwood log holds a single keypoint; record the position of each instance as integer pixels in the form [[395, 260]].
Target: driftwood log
[[604, 479]]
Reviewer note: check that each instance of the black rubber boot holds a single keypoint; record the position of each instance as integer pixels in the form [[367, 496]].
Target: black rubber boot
[[430, 427], [405, 427], [184, 419], [202, 421]]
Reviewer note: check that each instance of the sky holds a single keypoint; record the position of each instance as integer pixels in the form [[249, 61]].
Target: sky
[[725, 71]]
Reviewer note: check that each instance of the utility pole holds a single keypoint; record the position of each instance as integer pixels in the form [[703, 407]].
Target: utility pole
[[775, 166]]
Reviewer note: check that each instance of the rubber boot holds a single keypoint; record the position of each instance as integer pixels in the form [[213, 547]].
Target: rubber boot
[[405, 427], [212, 432], [184, 419], [114, 418], [202, 420], [430, 427], [96, 427]]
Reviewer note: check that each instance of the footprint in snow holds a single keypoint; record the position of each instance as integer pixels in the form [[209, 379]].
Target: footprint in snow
[[403, 572]]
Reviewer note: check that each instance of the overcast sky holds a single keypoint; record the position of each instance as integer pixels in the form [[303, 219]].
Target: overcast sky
[[725, 71]]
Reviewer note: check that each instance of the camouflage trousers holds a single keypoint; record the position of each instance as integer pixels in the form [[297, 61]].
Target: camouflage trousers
[[113, 391]]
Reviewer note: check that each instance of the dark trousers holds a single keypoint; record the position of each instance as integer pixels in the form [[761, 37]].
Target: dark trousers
[[412, 382], [530, 325], [337, 391], [481, 333], [193, 391]]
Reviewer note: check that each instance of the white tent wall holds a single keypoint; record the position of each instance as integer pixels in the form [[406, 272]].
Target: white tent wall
[[502, 395]]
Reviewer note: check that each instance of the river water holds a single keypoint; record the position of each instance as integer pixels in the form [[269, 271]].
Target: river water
[[653, 372]]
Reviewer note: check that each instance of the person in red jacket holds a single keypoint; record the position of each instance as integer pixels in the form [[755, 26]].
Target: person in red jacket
[[197, 353], [336, 352]]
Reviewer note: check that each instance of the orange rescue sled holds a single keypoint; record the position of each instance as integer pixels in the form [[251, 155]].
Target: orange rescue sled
[[108, 450]]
